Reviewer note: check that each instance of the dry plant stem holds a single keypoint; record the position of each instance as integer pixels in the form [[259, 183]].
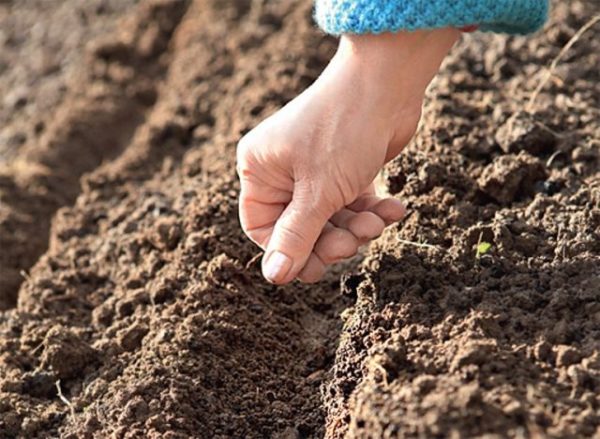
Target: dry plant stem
[[419, 244], [254, 260], [477, 253], [556, 60], [64, 399], [551, 131], [553, 157]]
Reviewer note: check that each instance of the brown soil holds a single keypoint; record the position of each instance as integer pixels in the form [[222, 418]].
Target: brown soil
[[109, 94], [142, 298], [41, 46]]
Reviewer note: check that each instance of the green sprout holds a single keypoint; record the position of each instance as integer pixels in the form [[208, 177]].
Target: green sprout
[[483, 248]]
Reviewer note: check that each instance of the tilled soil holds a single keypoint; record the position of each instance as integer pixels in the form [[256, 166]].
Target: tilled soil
[[143, 303], [111, 86], [41, 46]]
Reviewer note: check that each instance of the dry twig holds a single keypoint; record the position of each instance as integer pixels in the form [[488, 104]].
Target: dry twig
[[419, 244], [253, 261], [64, 399], [555, 61]]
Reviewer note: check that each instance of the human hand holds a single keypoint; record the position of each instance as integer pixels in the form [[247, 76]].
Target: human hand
[[307, 172]]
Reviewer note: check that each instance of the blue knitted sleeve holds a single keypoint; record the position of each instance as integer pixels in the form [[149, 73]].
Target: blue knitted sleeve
[[375, 16]]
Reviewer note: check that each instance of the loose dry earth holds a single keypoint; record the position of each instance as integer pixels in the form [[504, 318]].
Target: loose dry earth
[[124, 274]]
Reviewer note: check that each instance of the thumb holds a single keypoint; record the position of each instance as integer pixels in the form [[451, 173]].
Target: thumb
[[294, 237]]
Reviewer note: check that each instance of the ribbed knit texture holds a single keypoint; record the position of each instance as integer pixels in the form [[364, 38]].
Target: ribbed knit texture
[[375, 16]]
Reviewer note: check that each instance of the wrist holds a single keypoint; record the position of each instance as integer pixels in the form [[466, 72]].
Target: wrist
[[402, 63], [402, 42]]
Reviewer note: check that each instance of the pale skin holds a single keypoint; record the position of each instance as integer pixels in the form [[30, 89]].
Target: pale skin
[[307, 172]]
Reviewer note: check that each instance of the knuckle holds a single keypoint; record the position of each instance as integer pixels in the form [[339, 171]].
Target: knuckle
[[244, 146], [245, 141], [293, 235], [244, 170], [243, 159]]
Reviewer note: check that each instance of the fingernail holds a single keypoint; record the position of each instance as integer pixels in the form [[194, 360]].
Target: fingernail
[[398, 203], [276, 267], [401, 206]]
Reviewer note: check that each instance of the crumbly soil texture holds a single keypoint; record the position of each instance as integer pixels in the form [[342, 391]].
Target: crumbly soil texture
[[133, 306]]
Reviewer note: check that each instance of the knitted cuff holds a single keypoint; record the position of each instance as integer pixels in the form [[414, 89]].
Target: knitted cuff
[[376, 16]]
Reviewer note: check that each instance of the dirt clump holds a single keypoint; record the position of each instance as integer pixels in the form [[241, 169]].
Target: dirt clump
[[509, 177], [521, 132]]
